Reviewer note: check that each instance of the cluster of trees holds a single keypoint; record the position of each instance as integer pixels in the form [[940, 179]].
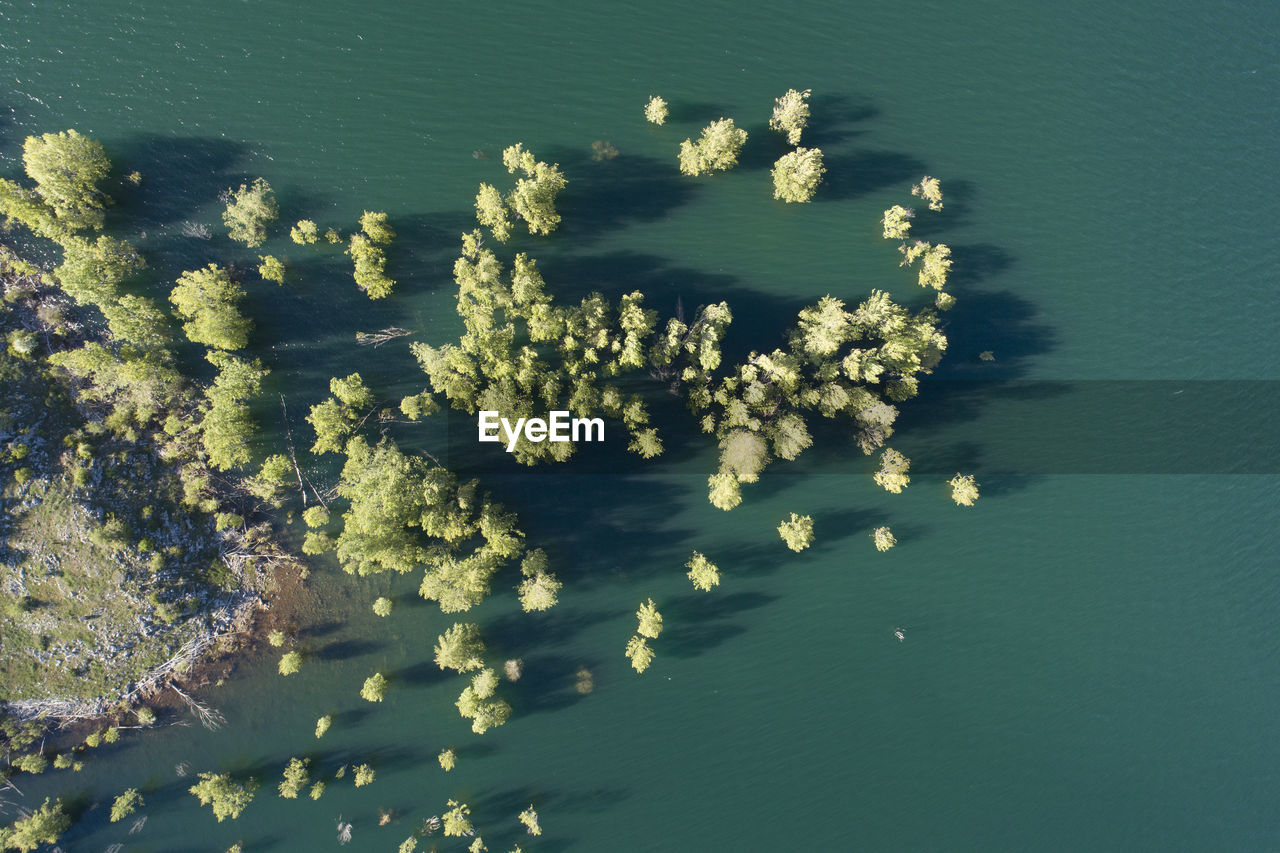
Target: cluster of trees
[[369, 257], [796, 174], [935, 259], [533, 199], [42, 826], [227, 797], [649, 626]]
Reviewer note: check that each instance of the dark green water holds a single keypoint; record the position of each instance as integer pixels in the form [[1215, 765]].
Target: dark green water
[[1091, 654]]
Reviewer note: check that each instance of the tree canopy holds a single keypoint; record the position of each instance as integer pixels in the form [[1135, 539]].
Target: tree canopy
[[67, 169], [655, 111], [208, 301], [797, 532], [791, 114], [223, 794], [250, 210], [715, 151], [797, 174]]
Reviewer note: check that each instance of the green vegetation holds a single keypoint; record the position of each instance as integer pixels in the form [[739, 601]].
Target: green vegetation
[[655, 111], [883, 538], [479, 704], [797, 532], [364, 775], [457, 821], [42, 826], [368, 256], [703, 572], [304, 233], [374, 688], [207, 299], [649, 619], [250, 210], [639, 653], [126, 804], [534, 196], [539, 589], [715, 151], [290, 662], [529, 818], [929, 189], [892, 473], [271, 269], [796, 175], [67, 169], [223, 794], [897, 222], [448, 759], [791, 114], [382, 606], [295, 779], [460, 648], [323, 724], [964, 489]]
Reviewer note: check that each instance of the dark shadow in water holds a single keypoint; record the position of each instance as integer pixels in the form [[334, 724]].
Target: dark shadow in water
[[862, 172], [349, 648], [424, 673], [548, 684], [696, 622], [607, 195], [180, 177], [703, 112]]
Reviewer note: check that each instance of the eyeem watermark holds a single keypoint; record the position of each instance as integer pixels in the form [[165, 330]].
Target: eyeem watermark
[[558, 426]]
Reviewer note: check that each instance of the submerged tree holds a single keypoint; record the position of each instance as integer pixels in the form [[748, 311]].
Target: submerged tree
[[456, 820], [125, 805], [448, 759], [271, 269], [703, 572], [42, 826], [529, 818], [290, 663], [226, 796], [883, 538], [892, 474], [364, 775], [639, 653], [374, 688], [649, 619], [897, 222], [250, 209], [655, 111], [929, 189], [370, 267], [323, 724], [477, 702], [796, 175], [296, 778], [226, 426], [304, 233], [540, 587], [207, 299], [715, 151], [964, 489], [936, 266], [797, 532], [534, 196], [67, 169], [791, 114], [382, 606], [460, 648], [492, 213]]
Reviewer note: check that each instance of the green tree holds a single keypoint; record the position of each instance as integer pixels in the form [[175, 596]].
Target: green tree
[[892, 474], [42, 826], [460, 648], [33, 763], [715, 151], [296, 778], [207, 300], [323, 724], [534, 196], [370, 267], [797, 532], [897, 222], [335, 418], [936, 266], [304, 233], [364, 775], [929, 189], [649, 619], [125, 805], [723, 490], [456, 820], [655, 111], [703, 572], [448, 759], [317, 790], [271, 269], [92, 271], [478, 703], [539, 589], [491, 212], [227, 428], [382, 606], [67, 169], [529, 818], [290, 662], [375, 227], [250, 210], [791, 114], [883, 538], [964, 489], [227, 797], [797, 174], [374, 688], [639, 653]]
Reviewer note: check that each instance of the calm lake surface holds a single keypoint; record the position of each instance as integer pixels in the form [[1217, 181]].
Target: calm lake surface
[[1091, 653]]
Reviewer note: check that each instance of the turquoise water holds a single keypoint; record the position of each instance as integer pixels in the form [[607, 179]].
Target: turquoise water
[[1090, 653]]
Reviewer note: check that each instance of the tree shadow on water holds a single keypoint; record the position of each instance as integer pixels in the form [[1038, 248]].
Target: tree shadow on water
[[180, 175]]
